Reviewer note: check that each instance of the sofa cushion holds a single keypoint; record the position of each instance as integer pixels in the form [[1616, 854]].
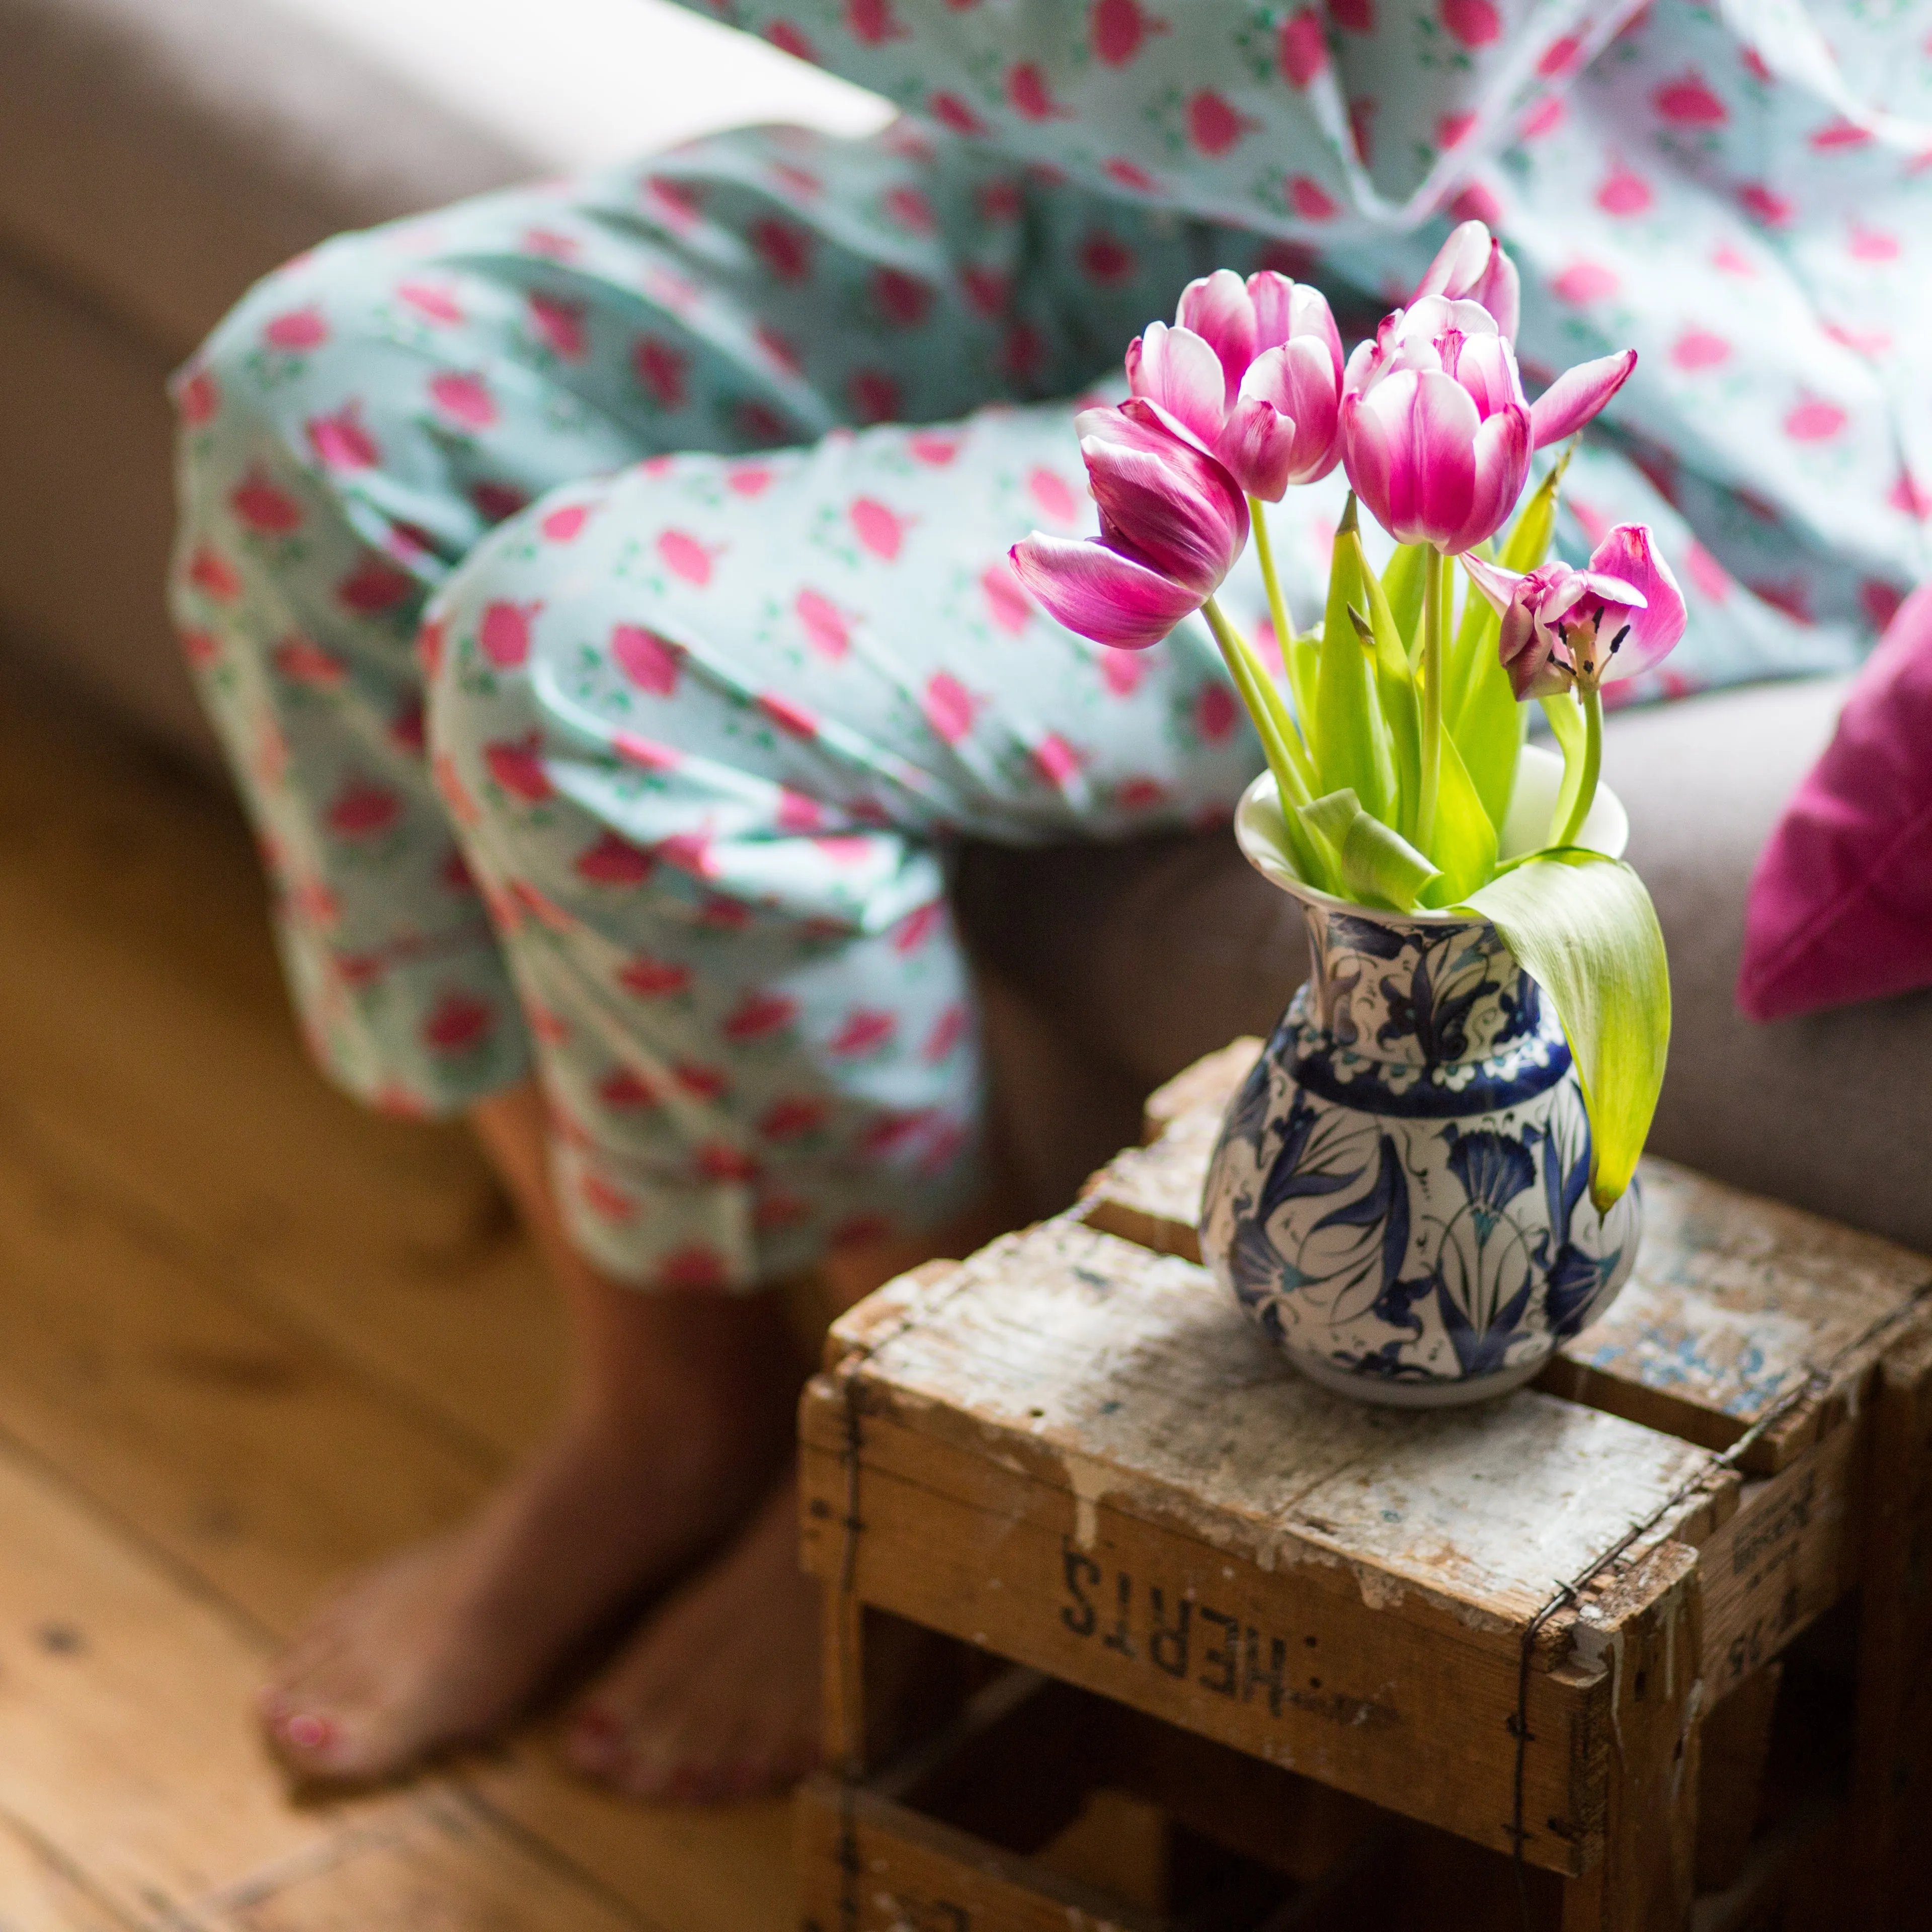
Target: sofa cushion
[[1152, 954], [1841, 906]]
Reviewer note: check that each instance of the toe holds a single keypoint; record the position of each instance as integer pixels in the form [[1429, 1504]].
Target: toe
[[310, 1742]]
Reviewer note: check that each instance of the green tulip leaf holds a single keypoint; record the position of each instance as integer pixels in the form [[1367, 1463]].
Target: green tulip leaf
[[1302, 661], [1401, 702], [1482, 713], [1535, 527], [1378, 867], [1583, 926], [1351, 742], [1465, 842]]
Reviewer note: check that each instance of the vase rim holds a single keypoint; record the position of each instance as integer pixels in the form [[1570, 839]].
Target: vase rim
[[1606, 829]]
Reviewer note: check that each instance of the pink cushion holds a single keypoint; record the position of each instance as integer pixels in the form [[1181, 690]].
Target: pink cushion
[[1840, 907]]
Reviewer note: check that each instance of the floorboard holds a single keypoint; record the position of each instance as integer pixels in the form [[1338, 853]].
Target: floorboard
[[249, 1337]]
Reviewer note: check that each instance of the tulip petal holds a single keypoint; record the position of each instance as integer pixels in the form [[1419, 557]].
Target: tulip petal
[[1486, 368], [1314, 320], [1631, 553], [1216, 307], [1368, 454], [1162, 500], [1098, 593], [1445, 435], [1257, 448], [1500, 291], [1522, 648], [1498, 585], [1458, 262], [1500, 459], [1272, 294], [1178, 371], [1577, 395], [1301, 382]]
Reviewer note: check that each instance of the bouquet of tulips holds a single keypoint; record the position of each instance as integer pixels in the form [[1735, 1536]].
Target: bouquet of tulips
[[1394, 748]]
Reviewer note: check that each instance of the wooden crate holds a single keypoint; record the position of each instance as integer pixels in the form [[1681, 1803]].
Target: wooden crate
[[1509, 1623], [1041, 1806]]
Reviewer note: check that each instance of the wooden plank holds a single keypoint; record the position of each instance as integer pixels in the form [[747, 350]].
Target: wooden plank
[[129, 1757], [1107, 1372], [1790, 1552], [1892, 1776], [266, 1468], [135, 913], [1290, 1664], [245, 1451], [443, 1865], [1646, 1631], [688, 1868], [42, 1892], [1204, 1087], [1735, 1302], [868, 1864]]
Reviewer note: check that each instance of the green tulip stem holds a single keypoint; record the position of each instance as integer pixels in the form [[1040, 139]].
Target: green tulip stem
[[1593, 764], [1434, 627], [1279, 741], [1280, 737], [1284, 628]]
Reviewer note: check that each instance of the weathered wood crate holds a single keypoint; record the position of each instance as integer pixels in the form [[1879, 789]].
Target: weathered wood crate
[[1520, 1625]]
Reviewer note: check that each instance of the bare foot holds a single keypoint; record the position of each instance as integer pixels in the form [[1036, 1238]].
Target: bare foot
[[444, 1643], [717, 1698]]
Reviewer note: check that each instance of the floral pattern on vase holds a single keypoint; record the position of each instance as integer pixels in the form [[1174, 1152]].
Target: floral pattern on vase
[[1400, 1193]]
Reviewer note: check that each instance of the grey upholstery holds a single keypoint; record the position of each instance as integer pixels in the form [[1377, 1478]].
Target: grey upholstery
[[1148, 955], [155, 160]]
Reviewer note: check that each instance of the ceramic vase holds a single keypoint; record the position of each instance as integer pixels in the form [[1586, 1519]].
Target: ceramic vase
[[1399, 1192]]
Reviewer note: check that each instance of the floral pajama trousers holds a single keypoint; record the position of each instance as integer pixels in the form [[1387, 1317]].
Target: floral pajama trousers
[[600, 589], [649, 786]]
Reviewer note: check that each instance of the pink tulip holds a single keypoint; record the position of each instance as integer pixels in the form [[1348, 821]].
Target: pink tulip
[[1614, 618], [1435, 430], [1471, 266], [1172, 522], [1252, 374]]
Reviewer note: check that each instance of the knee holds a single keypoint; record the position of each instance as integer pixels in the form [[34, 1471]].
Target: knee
[[259, 377]]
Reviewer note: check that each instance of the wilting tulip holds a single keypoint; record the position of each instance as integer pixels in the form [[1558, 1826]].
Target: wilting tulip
[[1172, 522], [1252, 373], [1435, 430], [1614, 618]]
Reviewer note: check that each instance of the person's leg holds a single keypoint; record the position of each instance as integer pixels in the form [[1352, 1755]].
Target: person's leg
[[678, 1413], [348, 434], [712, 806]]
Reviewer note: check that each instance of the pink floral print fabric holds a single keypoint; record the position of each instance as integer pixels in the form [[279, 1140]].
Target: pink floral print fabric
[[646, 780], [601, 592]]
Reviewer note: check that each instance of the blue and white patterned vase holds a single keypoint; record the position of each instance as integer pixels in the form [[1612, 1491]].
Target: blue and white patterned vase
[[1400, 1193]]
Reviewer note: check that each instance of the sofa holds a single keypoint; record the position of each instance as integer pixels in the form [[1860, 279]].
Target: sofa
[[156, 155]]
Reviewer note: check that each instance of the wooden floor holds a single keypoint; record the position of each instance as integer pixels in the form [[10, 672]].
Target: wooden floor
[[249, 1338]]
